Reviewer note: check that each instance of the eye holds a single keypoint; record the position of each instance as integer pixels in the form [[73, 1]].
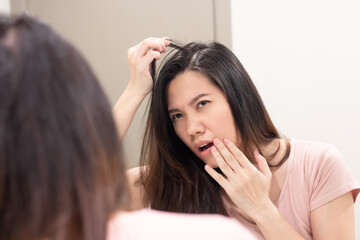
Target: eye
[[201, 104], [176, 116]]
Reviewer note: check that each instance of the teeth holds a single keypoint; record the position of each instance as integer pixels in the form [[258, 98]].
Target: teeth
[[205, 146]]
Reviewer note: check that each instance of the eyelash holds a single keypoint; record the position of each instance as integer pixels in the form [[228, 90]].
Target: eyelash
[[203, 102], [199, 105], [173, 116]]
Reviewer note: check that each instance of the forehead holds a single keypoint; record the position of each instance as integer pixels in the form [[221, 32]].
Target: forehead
[[188, 85]]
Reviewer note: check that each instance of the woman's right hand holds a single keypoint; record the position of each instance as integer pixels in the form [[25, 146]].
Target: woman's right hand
[[140, 85], [140, 57]]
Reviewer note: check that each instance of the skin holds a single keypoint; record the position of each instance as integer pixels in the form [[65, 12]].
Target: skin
[[140, 83], [248, 188], [199, 113], [139, 86], [253, 188]]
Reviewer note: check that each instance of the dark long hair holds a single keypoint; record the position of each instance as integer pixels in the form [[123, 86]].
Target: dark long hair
[[61, 174], [174, 178]]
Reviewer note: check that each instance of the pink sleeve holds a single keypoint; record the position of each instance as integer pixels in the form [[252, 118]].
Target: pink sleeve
[[330, 178]]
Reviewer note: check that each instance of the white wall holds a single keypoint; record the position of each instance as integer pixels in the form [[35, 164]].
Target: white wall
[[104, 30], [4, 6], [304, 57]]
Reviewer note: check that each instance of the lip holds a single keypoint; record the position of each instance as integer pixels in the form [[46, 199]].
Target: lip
[[197, 146], [206, 152]]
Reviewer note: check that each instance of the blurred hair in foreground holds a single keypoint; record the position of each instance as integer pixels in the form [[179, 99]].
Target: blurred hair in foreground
[[61, 174]]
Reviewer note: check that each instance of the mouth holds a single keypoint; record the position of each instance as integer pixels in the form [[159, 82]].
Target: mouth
[[205, 146]]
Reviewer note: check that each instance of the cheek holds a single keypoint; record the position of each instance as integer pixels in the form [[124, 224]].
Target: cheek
[[180, 132], [225, 125]]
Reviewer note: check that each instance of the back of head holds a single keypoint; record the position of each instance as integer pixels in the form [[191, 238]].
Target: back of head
[[60, 170]]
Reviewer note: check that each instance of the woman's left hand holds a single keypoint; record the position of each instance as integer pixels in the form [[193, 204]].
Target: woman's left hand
[[247, 186]]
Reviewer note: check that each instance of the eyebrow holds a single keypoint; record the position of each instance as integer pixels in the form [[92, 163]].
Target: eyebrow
[[194, 100]]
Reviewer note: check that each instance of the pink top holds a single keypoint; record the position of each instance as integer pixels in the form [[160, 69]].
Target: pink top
[[152, 224], [316, 174]]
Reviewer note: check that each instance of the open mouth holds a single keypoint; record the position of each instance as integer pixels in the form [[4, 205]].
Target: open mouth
[[205, 146]]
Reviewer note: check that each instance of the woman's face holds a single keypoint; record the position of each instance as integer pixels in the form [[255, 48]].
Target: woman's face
[[200, 113]]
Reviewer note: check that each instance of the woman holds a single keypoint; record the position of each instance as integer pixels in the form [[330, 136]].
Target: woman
[[61, 171], [211, 147]]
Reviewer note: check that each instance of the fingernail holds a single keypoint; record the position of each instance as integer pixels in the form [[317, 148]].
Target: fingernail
[[216, 141], [167, 40], [207, 167]]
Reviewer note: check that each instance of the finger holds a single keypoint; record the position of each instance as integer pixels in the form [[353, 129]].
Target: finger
[[223, 165], [227, 155], [146, 61], [239, 155], [223, 182], [157, 44], [166, 40], [151, 55], [262, 163]]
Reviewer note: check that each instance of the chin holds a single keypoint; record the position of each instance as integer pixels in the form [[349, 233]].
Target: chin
[[209, 160]]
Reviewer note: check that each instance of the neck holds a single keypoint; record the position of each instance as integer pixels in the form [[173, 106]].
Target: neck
[[274, 151]]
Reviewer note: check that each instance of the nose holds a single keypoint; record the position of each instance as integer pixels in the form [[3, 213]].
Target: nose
[[194, 126]]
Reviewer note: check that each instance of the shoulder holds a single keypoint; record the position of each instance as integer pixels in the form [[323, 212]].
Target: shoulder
[[133, 174], [136, 190], [324, 170], [316, 159], [311, 146], [315, 154], [164, 225]]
